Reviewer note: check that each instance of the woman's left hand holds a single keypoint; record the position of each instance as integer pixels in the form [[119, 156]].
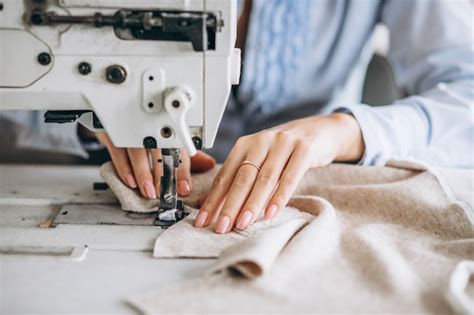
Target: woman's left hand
[[241, 190]]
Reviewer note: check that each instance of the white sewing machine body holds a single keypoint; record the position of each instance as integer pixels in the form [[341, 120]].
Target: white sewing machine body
[[151, 81]]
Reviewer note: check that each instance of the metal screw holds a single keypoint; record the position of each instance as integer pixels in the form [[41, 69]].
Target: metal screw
[[149, 143], [116, 74], [166, 132], [44, 59], [168, 198], [176, 103], [84, 68], [37, 17]]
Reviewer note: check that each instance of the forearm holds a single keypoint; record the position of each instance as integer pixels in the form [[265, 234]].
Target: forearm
[[436, 127]]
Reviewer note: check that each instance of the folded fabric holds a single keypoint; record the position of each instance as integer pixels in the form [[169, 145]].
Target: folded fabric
[[184, 241], [377, 239], [130, 199], [255, 256]]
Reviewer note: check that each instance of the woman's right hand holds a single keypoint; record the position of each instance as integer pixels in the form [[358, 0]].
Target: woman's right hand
[[133, 168]]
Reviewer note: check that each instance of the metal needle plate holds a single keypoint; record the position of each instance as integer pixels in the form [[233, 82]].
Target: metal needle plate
[[101, 215]]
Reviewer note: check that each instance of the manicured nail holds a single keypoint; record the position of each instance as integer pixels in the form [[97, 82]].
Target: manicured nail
[[244, 220], [184, 187], [150, 189], [200, 219], [222, 225], [271, 212], [131, 181]]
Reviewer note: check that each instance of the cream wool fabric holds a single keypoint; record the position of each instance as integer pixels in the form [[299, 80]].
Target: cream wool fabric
[[130, 199], [175, 241], [377, 239]]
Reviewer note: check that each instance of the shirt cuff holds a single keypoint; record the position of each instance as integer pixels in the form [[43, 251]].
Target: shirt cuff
[[373, 150]]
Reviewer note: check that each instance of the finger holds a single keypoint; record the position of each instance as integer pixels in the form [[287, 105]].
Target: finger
[[157, 168], [267, 181], [120, 160], [202, 162], [201, 199], [241, 187], [141, 168], [289, 180], [184, 174], [220, 186]]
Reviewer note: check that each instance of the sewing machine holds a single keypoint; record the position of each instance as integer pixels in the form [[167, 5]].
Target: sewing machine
[[151, 73]]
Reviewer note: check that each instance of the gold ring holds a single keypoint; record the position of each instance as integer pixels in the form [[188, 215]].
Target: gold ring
[[247, 162]]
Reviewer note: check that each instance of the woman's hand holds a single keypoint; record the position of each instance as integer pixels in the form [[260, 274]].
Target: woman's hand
[[240, 191], [134, 170]]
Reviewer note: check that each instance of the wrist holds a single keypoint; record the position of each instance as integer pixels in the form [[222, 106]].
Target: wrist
[[349, 136]]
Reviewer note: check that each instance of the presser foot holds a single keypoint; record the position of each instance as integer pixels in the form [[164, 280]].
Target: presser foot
[[167, 217]]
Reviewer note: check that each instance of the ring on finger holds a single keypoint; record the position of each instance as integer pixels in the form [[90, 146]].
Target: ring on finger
[[247, 162]]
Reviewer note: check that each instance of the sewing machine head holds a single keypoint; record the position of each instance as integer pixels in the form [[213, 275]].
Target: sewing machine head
[[152, 73]]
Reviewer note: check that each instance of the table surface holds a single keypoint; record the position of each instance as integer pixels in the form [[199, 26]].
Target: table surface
[[39, 268]]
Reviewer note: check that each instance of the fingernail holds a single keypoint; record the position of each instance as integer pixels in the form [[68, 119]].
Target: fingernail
[[271, 212], [222, 225], [200, 219], [184, 187], [131, 181], [150, 189], [244, 221]]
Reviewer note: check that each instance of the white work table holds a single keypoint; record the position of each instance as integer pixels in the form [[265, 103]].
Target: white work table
[[74, 267]]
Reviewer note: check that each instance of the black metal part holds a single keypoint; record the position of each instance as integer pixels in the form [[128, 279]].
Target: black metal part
[[84, 68], [116, 74], [96, 122], [168, 195], [197, 142], [150, 143], [44, 58], [37, 17], [179, 215], [101, 186], [69, 116], [63, 116], [197, 27]]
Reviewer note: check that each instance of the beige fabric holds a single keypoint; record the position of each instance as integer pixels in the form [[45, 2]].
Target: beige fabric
[[379, 239], [130, 199], [175, 242], [255, 256]]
